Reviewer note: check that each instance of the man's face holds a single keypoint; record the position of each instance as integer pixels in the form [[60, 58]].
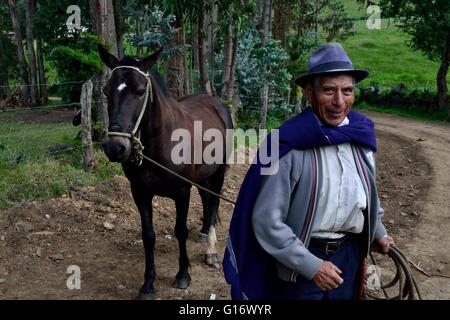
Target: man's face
[[332, 98]]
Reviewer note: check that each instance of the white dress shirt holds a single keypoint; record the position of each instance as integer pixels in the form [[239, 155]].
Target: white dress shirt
[[342, 198]]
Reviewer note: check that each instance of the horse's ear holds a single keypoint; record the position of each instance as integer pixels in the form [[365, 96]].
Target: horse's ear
[[149, 61], [110, 61]]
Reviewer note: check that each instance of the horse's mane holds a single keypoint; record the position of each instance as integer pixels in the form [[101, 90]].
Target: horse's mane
[[133, 60]]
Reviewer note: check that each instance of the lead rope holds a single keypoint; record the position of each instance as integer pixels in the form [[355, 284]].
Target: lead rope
[[407, 285]]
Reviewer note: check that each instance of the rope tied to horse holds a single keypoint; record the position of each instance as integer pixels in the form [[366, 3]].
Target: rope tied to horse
[[186, 179], [404, 279]]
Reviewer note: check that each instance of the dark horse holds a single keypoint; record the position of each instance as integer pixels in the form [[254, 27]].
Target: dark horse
[[139, 105]]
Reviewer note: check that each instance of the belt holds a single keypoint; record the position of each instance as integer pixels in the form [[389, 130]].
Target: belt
[[328, 245]]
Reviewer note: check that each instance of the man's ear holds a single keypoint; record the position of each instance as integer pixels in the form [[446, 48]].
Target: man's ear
[[108, 59], [309, 94], [149, 61]]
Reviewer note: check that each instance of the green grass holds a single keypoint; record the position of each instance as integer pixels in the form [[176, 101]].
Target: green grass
[[32, 141], [29, 171], [385, 54], [413, 113]]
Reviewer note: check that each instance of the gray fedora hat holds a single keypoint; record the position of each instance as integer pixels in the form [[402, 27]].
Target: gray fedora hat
[[330, 58]]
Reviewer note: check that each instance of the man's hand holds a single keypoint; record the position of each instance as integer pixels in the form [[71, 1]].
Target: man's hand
[[384, 243], [327, 277]]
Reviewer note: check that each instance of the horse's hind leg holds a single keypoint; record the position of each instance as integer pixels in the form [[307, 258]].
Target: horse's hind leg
[[143, 201], [182, 279], [210, 214]]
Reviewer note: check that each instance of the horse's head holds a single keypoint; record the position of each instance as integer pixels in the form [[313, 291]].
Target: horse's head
[[127, 92]]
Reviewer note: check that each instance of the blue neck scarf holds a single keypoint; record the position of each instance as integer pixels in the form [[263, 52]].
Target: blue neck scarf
[[246, 265]]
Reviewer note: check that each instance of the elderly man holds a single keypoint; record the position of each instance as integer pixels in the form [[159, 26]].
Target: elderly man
[[304, 232]]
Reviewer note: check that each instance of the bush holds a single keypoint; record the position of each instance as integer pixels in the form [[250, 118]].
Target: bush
[[400, 96]]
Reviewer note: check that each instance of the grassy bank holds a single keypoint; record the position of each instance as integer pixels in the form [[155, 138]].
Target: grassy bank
[[412, 113], [44, 160]]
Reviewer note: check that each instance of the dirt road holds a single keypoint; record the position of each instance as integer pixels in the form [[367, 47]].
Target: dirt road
[[98, 228], [427, 243]]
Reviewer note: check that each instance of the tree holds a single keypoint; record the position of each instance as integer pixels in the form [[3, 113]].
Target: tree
[[265, 29], [175, 65], [104, 26], [428, 24], [20, 53], [29, 12], [8, 52], [119, 26]]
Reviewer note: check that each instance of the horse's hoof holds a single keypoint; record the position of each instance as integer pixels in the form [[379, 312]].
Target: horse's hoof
[[212, 260], [146, 296], [202, 237], [182, 283]]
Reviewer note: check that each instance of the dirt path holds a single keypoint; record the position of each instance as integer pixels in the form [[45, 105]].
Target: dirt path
[[428, 242], [98, 229]]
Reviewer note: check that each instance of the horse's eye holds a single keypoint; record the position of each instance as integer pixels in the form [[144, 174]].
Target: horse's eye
[[140, 92]]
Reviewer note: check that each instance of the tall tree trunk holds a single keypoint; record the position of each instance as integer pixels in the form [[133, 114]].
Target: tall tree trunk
[[175, 64], [266, 22], [102, 18], [286, 24], [227, 60], [264, 93], [194, 58], [20, 53], [138, 33], [118, 23], [231, 90], [29, 5], [3, 76], [210, 31], [232, 94], [201, 48], [259, 13], [442, 78], [186, 64], [42, 80], [278, 20]]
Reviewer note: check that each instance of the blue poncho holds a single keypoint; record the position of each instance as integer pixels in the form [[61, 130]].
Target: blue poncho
[[246, 265]]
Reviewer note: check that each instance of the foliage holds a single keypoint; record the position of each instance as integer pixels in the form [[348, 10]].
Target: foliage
[[76, 62], [426, 21], [399, 96], [336, 25], [159, 27], [71, 53], [50, 21], [8, 57], [251, 74]]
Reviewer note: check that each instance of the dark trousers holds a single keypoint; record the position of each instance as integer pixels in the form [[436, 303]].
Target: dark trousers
[[347, 258]]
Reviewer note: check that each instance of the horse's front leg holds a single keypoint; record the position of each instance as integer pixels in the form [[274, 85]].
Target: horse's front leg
[[143, 200], [182, 279]]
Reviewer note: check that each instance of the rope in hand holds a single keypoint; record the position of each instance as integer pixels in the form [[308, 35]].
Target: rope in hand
[[407, 285]]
